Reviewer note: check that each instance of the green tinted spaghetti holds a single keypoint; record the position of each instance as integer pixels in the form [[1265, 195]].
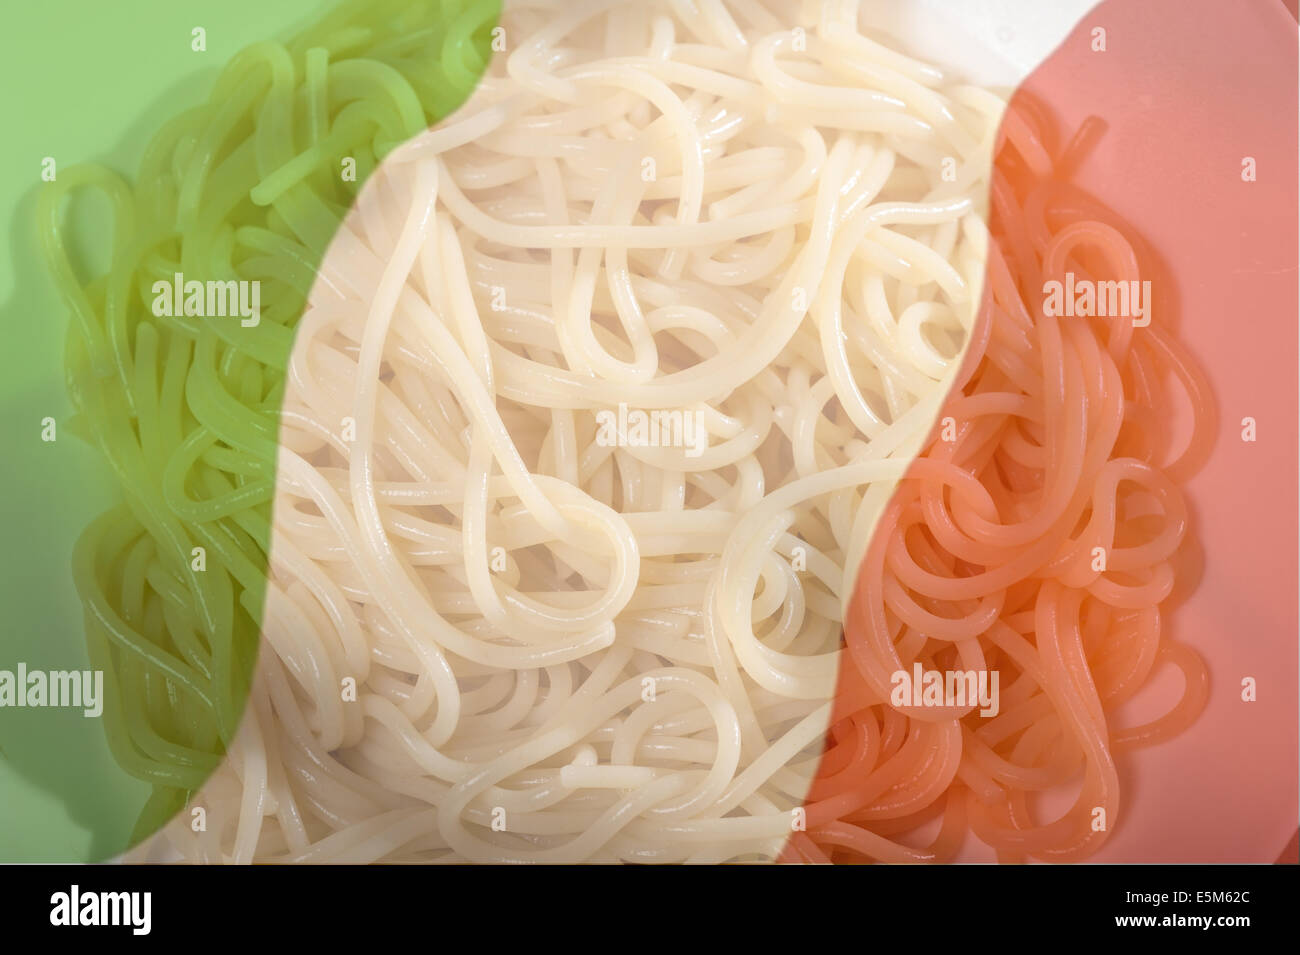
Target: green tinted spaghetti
[[245, 190]]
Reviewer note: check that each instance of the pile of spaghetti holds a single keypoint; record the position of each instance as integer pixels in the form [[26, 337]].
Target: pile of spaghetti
[[248, 186], [495, 631], [491, 633], [1037, 536]]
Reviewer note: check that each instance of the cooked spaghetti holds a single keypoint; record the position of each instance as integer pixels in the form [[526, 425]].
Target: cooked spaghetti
[[588, 521], [1038, 537], [595, 399]]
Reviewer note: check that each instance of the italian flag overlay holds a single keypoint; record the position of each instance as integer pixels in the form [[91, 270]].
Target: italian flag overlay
[[1067, 632]]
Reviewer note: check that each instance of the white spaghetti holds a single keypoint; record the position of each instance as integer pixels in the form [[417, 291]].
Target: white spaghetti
[[599, 391]]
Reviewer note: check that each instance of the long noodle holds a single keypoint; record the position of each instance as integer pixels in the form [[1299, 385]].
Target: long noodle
[[1037, 538]]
